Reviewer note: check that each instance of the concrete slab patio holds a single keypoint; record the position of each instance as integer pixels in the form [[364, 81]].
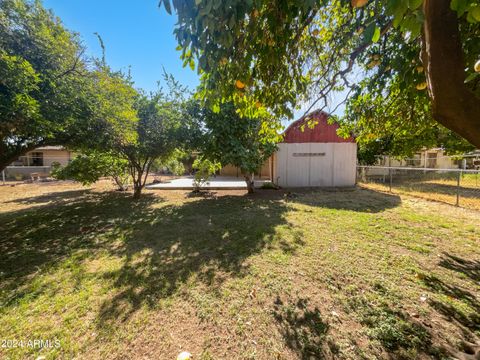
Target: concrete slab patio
[[217, 183]]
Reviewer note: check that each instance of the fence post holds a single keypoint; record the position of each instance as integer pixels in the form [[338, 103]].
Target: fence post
[[459, 174], [3, 176], [390, 176]]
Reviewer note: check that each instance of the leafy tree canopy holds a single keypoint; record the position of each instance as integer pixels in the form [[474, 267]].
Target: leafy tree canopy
[[239, 141], [142, 128], [412, 57], [45, 87]]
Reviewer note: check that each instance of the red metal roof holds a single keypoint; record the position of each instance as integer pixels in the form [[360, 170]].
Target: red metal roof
[[322, 132]]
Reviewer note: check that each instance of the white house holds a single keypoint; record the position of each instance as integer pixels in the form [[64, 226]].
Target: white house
[[38, 161]]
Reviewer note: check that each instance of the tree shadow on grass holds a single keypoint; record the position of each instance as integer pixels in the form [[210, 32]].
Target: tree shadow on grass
[[356, 199], [54, 197], [456, 303], [36, 239], [208, 239], [469, 319], [469, 268], [304, 330], [160, 246]]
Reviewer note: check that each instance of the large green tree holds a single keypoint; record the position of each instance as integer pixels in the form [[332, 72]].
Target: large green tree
[[239, 141], [288, 52], [158, 134], [45, 87], [131, 129]]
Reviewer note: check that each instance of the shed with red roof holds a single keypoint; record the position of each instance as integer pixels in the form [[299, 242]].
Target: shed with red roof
[[313, 155]]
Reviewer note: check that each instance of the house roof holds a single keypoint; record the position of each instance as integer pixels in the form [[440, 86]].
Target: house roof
[[51, 147], [322, 132]]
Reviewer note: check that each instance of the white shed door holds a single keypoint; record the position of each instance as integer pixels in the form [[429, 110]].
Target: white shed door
[[316, 164], [298, 165], [321, 164]]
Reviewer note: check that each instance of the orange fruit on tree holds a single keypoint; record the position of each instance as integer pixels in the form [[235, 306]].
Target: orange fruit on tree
[[421, 86], [477, 66], [359, 3], [239, 84]]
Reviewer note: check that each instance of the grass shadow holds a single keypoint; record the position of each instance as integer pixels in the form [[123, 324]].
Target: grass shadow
[[303, 329], [208, 238], [52, 197], [37, 239], [470, 320], [469, 268], [361, 199]]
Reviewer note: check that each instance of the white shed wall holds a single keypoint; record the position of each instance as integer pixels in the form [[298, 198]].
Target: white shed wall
[[300, 165]]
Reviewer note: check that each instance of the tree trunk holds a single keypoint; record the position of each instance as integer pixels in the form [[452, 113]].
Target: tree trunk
[[137, 191], [137, 185], [121, 186], [453, 104], [250, 183]]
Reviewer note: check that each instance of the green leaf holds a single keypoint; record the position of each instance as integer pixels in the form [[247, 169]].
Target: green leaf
[[207, 8], [412, 25], [376, 35], [414, 4], [460, 6], [166, 3], [476, 13], [368, 33], [471, 77], [470, 18], [217, 4], [397, 8]]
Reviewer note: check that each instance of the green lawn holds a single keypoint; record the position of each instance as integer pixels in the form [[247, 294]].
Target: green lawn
[[309, 275]]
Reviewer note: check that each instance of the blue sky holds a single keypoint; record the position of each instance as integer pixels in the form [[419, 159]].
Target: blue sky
[[136, 33]]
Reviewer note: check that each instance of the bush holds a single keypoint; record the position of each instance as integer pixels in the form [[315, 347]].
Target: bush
[[90, 167], [204, 170]]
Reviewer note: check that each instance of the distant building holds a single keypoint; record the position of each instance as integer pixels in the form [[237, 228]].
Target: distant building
[[38, 163], [434, 159]]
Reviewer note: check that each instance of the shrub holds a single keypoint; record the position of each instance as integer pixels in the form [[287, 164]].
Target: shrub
[[90, 167], [204, 170]]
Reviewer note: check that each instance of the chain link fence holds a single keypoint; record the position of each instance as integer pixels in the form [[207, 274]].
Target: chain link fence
[[453, 186]]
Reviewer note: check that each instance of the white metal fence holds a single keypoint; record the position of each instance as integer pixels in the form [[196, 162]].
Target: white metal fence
[[453, 186]]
